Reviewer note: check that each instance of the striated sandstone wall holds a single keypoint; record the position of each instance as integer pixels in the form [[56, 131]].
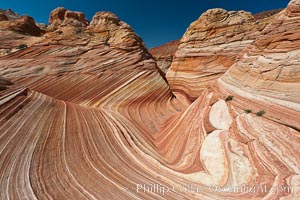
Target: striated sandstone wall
[[209, 47], [87, 115]]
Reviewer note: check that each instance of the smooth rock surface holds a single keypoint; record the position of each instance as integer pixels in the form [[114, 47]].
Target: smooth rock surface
[[219, 116]]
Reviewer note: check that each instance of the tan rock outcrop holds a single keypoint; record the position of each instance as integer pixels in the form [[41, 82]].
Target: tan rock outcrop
[[21, 24], [65, 22], [111, 30], [16, 32], [209, 47], [63, 17]]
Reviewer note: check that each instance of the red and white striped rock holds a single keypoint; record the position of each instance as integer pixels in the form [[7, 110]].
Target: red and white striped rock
[[81, 119], [209, 47]]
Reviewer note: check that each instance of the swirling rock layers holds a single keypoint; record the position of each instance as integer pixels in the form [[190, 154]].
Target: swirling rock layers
[[209, 47], [88, 115]]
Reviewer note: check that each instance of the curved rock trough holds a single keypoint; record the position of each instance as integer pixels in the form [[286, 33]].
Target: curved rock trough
[[85, 113]]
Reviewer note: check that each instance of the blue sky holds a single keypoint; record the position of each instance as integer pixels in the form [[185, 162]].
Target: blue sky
[[156, 21]]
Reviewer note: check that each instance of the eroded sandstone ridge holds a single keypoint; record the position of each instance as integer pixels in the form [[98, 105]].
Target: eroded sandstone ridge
[[15, 30], [85, 113], [210, 46]]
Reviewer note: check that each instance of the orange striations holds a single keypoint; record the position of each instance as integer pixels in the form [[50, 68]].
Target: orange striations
[[87, 114]]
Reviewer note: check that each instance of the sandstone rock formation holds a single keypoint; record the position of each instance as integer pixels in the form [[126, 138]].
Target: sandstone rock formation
[[164, 54], [264, 81], [209, 47], [89, 115], [62, 20], [269, 69], [16, 31], [110, 29], [22, 24]]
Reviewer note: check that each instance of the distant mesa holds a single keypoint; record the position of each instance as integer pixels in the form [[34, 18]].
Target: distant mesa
[[164, 54]]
